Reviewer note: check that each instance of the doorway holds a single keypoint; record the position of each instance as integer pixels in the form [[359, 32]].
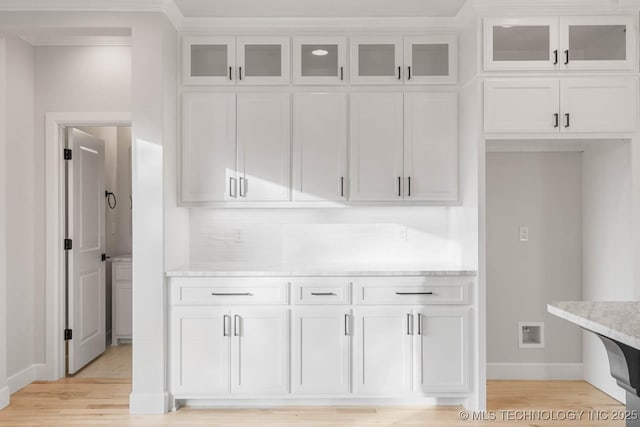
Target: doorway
[[98, 262]]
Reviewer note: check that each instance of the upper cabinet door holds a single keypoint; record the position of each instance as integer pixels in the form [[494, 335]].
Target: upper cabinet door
[[376, 60], [522, 105], [431, 146], [264, 144], [208, 147], [376, 146], [599, 42], [599, 104], [263, 60], [319, 60], [320, 146], [521, 44], [208, 60], [430, 59]]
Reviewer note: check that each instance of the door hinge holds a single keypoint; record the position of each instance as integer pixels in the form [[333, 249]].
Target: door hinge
[[68, 334], [68, 154], [68, 245]]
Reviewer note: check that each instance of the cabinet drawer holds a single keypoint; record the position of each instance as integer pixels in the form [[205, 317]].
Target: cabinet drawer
[[321, 293], [122, 271], [228, 291], [413, 291]]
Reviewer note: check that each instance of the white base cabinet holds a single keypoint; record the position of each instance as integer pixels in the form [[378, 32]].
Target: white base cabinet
[[338, 338], [121, 300]]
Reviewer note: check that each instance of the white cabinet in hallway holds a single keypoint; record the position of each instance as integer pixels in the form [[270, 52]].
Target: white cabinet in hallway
[[320, 146], [404, 146], [321, 350], [568, 105], [208, 147], [383, 350], [263, 146], [122, 298]]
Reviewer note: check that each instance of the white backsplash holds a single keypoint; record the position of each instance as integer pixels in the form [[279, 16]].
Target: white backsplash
[[373, 237]]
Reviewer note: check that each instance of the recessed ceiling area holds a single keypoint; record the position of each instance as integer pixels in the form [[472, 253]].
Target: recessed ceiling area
[[319, 8]]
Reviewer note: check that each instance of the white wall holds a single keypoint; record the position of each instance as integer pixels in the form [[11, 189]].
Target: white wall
[[542, 191], [70, 79], [608, 244], [21, 208], [123, 190], [366, 237], [4, 389]]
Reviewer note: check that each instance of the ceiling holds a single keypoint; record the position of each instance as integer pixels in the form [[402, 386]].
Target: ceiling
[[319, 8]]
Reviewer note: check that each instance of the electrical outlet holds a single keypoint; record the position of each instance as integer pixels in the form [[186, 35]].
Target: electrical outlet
[[524, 233]]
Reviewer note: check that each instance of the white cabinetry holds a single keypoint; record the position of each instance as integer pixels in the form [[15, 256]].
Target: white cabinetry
[[219, 165], [235, 60], [565, 43], [321, 350], [404, 147], [121, 300], [263, 146], [397, 60], [570, 105], [320, 146], [319, 60]]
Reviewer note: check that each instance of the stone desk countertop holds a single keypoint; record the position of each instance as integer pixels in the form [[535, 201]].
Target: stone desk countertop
[[253, 270], [619, 321]]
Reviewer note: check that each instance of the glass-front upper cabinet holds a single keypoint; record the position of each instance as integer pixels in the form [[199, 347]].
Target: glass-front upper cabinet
[[319, 60], [602, 42], [430, 59], [376, 60], [263, 60], [208, 60], [566, 43], [521, 44]]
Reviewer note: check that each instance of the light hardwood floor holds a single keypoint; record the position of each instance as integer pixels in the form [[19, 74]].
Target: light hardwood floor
[[99, 395]]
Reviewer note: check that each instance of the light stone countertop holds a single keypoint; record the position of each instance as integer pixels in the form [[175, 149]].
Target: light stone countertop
[[619, 321], [334, 270]]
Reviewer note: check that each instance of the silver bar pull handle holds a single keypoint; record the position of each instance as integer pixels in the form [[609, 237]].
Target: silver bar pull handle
[[409, 324], [325, 294], [414, 293], [419, 324], [225, 325], [231, 294], [233, 187], [347, 329], [243, 186], [236, 325]]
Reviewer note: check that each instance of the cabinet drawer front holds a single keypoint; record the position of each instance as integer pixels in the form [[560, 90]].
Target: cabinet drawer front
[[122, 272], [321, 293], [231, 291], [413, 291]]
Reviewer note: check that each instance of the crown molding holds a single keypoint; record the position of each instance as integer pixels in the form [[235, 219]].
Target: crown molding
[[551, 7]]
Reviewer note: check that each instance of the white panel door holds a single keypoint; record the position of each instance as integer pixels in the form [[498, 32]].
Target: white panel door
[[209, 60], [263, 60], [260, 351], [86, 210], [522, 106], [431, 146], [431, 59], [264, 140], [200, 350], [319, 60], [383, 350], [320, 146], [321, 348], [599, 104], [441, 350], [208, 147], [376, 146], [376, 60]]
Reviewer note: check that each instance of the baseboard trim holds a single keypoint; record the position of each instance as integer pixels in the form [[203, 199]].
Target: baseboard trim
[[535, 371], [148, 403], [5, 397], [23, 378]]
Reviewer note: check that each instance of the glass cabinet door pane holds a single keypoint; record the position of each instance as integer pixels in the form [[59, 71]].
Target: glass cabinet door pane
[[376, 60], [209, 60], [430, 59], [263, 60], [319, 60], [598, 42], [521, 43]]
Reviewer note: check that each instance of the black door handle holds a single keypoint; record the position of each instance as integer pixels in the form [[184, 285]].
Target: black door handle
[[230, 77], [566, 57], [566, 116], [556, 120], [399, 72], [555, 57], [240, 73], [341, 73], [409, 72]]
